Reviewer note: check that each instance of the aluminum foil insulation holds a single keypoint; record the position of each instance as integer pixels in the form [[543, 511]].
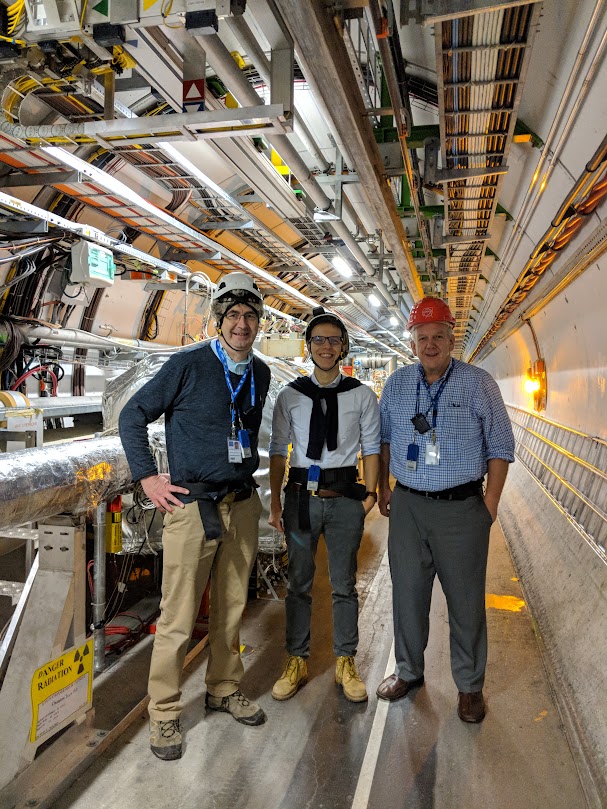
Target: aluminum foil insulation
[[73, 478], [76, 477], [120, 389]]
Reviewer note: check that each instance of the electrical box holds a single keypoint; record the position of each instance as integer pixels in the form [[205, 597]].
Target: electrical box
[[282, 346], [92, 265]]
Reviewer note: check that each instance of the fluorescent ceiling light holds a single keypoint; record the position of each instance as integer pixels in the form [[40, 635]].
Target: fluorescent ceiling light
[[342, 266], [374, 300], [393, 321], [406, 334], [325, 216]]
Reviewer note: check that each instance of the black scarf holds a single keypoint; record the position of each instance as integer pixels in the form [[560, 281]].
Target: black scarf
[[323, 426]]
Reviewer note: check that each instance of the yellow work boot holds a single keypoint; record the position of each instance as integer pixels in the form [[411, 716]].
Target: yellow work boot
[[346, 675], [294, 675]]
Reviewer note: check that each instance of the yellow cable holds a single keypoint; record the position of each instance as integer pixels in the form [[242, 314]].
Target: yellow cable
[[14, 41], [84, 5]]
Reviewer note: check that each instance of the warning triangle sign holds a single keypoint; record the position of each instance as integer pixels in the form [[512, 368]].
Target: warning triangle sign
[[193, 90]]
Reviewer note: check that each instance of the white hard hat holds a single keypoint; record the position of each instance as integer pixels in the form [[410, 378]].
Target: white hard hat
[[238, 282], [235, 288]]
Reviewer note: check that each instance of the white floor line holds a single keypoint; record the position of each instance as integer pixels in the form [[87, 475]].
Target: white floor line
[[367, 771]]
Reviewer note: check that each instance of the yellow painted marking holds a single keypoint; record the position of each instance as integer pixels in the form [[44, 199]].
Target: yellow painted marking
[[147, 4], [515, 578], [99, 471], [510, 603], [540, 716]]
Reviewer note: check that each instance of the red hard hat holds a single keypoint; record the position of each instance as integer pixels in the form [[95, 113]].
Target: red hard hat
[[430, 310]]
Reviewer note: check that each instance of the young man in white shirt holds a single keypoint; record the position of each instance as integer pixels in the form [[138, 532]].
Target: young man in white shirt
[[328, 418]]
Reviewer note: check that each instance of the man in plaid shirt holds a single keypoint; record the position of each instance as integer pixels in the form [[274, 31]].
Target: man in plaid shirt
[[444, 427]]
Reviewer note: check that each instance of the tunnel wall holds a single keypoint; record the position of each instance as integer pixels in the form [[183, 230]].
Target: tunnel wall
[[564, 580]]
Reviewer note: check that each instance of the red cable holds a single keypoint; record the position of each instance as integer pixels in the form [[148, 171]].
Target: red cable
[[37, 370]]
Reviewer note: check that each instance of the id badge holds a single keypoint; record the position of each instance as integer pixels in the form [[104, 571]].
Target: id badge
[[234, 451], [432, 454], [412, 456], [245, 443], [313, 478]]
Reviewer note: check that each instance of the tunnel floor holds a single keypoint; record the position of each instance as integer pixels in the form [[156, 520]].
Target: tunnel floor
[[319, 751]]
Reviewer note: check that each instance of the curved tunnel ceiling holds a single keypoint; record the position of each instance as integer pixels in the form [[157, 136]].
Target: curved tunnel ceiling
[[360, 131]]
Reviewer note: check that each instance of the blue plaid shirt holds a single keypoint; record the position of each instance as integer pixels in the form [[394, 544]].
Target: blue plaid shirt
[[472, 425]]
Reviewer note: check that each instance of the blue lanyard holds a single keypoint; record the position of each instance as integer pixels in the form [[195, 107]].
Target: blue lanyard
[[234, 393], [433, 399]]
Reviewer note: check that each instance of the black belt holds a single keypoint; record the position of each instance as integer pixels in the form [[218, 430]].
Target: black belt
[[339, 481], [462, 492], [209, 496], [338, 474]]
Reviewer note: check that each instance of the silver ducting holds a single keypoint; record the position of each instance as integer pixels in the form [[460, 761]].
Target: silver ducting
[[40, 483], [379, 361], [77, 477]]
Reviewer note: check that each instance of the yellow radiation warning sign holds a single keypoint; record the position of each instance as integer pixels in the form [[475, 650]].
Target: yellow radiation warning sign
[[61, 689]]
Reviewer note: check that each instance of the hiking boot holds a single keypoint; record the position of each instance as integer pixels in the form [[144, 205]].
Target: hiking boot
[[242, 709], [346, 675], [165, 739], [294, 675]]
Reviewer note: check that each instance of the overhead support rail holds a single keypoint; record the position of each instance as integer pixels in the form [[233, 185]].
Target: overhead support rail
[[322, 54], [396, 80], [249, 121], [482, 56]]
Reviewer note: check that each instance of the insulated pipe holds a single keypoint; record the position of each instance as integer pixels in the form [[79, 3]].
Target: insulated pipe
[[70, 478], [224, 65], [240, 27], [82, 339], [262, 63], [99, 585]]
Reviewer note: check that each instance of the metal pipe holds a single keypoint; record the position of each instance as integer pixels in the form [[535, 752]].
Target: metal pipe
[[241, 29], [226, 68], [224, 65], [83, 339], [99, 585], [71, 478]]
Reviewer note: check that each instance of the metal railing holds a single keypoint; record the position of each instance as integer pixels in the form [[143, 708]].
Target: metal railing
[[570, 466]]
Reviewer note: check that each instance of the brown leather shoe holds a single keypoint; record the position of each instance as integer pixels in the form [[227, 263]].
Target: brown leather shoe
[[471, 707], [393, 688]]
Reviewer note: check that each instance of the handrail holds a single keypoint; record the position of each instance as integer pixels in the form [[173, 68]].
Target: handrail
[[586, 510]]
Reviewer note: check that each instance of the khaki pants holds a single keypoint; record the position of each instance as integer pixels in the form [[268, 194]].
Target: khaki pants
[[189, 560]]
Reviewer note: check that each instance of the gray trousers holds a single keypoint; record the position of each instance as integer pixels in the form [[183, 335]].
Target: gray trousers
[[449, 538], [341, 521]]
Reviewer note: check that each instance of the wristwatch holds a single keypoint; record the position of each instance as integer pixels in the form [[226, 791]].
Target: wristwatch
[[371, 494]]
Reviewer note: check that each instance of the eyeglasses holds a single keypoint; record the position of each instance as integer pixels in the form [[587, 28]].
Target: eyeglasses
[[319, 340], [234, 317]]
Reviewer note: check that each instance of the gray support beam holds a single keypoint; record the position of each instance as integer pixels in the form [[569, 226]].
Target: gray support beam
[[453, 175], [41, 178], [226, 68], [327, 63], [243, 32]]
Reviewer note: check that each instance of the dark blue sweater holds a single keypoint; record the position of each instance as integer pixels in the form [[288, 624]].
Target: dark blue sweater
[[190, 389]]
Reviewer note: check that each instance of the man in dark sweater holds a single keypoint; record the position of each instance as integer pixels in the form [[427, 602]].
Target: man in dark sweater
[[212, 395]]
